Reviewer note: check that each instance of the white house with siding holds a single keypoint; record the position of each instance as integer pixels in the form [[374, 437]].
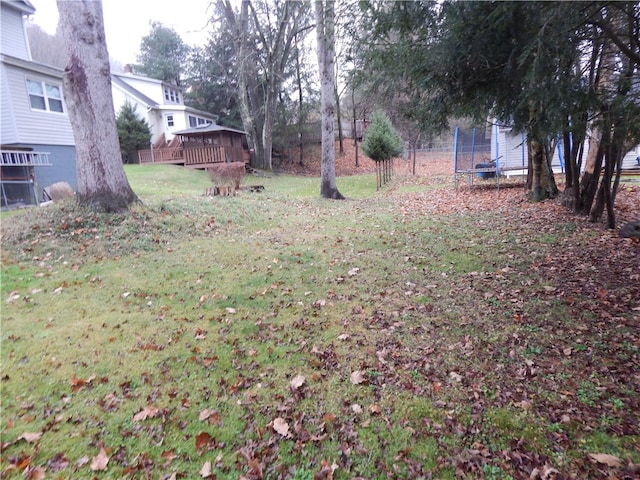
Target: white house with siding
[[36, 137], [159, 103], [510, 148]]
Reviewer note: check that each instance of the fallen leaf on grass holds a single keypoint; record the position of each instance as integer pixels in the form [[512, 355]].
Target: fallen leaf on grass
[[297, 382], [168, 458], [202, 441], [30, 437], [58, 462], [147, 412], [329, 417], [357, 377], [546, 473], [78, 384], [381, 354], [205, 471], [208, 414], [13, 296], [100, 461], [281, 426], [35, 473], [326, 471], [605, 459]]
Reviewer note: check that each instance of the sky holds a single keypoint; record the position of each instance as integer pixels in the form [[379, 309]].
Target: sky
[[127, 21]]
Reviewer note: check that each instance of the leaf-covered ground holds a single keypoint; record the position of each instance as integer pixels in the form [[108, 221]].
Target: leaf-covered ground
[[423, 332]]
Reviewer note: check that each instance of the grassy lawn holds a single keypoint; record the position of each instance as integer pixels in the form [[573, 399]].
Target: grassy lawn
[[280, 335]]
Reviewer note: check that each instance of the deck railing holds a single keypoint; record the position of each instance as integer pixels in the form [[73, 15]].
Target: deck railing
[[160, 155], [209, 154], [192, 156]]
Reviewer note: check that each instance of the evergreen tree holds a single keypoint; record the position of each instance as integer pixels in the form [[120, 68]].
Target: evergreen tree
[[133, 133], [163, 54], [381, 141]]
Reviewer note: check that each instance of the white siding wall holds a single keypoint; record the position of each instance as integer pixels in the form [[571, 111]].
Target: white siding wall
[[630, 159], [179, 121], [13, 38], [156, 125], [509, 148], [35, 126], [8, 133], [149, 87], [120, 98]]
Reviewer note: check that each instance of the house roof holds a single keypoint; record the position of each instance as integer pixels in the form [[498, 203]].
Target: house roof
[[134, 92], [32, 66], [23, 6], [210, 128], [120, 81], [143, 78]]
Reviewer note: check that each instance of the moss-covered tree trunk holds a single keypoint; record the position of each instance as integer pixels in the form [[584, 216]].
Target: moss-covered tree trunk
[[102, 183]]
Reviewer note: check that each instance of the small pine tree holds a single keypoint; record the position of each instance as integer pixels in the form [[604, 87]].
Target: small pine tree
[[381, 141], [133, 133]]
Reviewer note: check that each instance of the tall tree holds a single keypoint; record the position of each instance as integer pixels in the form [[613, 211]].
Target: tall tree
[[163, 54], [262, 33], [133, 133], [615, 48], [325, 23], [102, 183], [211, 81]]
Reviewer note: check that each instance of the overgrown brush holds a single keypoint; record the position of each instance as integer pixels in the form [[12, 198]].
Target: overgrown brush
[[228, 174]]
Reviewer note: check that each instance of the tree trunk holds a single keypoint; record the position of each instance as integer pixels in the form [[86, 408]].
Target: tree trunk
[[267, 130], [339, 118], [102, 183], [355, 125], [326, 58], [591, 175], [542, 184], [300, 106]]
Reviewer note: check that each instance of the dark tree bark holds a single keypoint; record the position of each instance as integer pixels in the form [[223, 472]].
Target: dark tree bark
[[102, 183]]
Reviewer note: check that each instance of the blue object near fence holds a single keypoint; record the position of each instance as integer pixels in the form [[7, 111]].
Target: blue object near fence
[[485, 175]]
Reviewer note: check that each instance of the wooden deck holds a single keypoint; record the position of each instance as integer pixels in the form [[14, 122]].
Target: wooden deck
[[191, 157]]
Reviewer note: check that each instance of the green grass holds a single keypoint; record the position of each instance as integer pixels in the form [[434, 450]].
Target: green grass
[[194, 304]]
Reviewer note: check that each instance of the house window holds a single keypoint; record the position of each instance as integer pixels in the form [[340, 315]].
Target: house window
[[43, 96], [170, 121], [192, 121], [171, 95], [201, 121]]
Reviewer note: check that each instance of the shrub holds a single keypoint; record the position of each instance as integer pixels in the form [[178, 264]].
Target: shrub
[[227, 174], [381, 141]]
